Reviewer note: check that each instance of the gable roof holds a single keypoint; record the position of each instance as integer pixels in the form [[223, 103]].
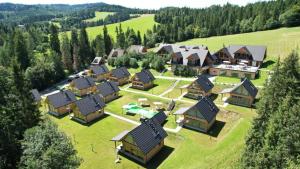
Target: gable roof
[[204, 82], [120, 72], [97, 61], [160, 117], [248, 85], [61, 98], [89, 104], [145, 76], [83, 82], [148, 135], [99, 70], [107, 88], [116, 53], [135, 49], [205, 108], [257, 51], [36, 95]]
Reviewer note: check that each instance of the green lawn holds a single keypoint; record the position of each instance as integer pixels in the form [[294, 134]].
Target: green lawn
[[176, 92], [161, 85], [142, 23], [99, 16], [259, 81], [279, 42], [223, 145]]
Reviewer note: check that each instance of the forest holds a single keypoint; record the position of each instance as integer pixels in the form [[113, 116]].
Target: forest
[[33, 55]]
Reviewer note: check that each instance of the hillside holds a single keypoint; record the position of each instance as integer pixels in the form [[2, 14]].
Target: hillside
[[279, 42], [99, 16], [142, 23]]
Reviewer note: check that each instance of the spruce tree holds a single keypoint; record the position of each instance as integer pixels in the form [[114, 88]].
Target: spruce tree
[[75, 50], [84, 48], [66, 53], [20, 50], [98, 45], [107, 41], [54, 40]]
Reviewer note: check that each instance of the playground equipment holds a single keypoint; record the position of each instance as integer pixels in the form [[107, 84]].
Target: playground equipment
[[133, 108]]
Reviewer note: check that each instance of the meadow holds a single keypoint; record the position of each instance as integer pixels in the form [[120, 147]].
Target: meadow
[[99, 16], [279, 42], [142, 23]]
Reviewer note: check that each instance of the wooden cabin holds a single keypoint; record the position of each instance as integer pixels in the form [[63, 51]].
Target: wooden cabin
[[201, 87], [98, 73], [137, 49], [120, 76], [143, 80], [143, 142], [36, 96], [115, 53], [248, 54], [242, 94], [88, 109], [98, 61], [199, 117], [108, 91], [60, 103], [83, 86]]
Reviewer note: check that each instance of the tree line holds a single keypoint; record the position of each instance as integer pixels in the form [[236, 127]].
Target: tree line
[[179, 24]]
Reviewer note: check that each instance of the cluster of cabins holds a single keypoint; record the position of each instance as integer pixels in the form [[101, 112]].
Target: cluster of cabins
[[86, 97], [234, 60]]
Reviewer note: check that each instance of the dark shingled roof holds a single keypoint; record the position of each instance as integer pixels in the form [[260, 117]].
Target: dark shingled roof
[[107, 88], [145, 76], [249, 87], [205, 83], [89, 104], [83, 82], [120, 72], [135, 49], [61, 98], [148, 135], [36, 95], [205, 108], [99, 70], [160, 117], [97, 61]]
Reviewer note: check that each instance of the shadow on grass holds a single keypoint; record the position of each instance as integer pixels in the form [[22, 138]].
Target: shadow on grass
[[213, 96], [155, 162], [214, 131], [217, 127], [267, 63], [91, 122], [146, 90], [113, 99]]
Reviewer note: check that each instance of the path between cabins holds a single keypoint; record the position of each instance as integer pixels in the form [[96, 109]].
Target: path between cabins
[[170, 88], [176, 130]]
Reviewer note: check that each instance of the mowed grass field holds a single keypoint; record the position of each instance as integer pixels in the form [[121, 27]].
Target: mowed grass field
[[99, 16], [142, 23], [279, 42]]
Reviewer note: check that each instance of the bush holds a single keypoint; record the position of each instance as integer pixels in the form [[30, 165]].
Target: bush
[[158, 64], [145, 64], [111, 62], [184, 71], [133, 63]]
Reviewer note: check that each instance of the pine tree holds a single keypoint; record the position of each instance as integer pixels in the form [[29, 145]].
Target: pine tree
[[107, 41], [57, 66], [75, 50], [139, 38], [20, 50], [145, 41], [84, 48], [283, 84], [65, 49], [98, 45], [54, 40]]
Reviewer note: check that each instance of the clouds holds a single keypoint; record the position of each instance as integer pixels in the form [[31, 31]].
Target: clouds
[[147, 4]]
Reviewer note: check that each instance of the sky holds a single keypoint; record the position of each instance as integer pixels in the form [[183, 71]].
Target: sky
[[145, 4]]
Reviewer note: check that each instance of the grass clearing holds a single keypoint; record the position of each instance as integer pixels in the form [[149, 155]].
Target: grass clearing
[[98, 16], [279, 42], [176, 92], [160, 86], [259, 81], [142, 23]]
